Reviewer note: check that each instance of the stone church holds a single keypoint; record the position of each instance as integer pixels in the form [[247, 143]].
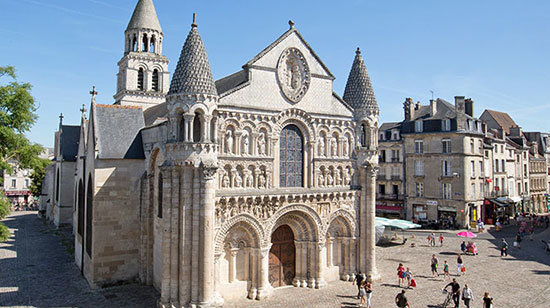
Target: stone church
[[210, 190]]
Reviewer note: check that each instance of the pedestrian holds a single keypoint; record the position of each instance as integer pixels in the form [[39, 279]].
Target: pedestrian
[[463, 247], [531, 232], [434, 265], [487, 301], [401, 273], [358, 280], [362, 294], [467, 295], [433, 239], [441, 239], [429, 240], [368, 290], [459, 265], [408, 275], [401, 300], [518, 240], [455, 289], [446, 271], [503, 248]]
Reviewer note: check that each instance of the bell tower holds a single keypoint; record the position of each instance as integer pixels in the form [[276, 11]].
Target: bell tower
[[143, 77]]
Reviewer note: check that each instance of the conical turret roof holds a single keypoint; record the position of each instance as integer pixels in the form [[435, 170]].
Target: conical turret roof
[[144, 17], [193, 74], [359, 93]]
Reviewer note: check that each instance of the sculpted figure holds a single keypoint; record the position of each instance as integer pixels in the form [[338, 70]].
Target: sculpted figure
[[238, 180], [330, 180], [337, 177], [225, 180], [248, 179], [261, 144], [346, 147], [347, 177], [229, 142], [261, 181], [321, 146], [334, 146], [246, 143], [321, 180]]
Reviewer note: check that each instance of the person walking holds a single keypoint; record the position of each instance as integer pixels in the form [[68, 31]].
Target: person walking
[[432, 243], [518, 240], [446, 271], [487, 301], [463, 247], [401, 273], [467, 295], [401, 300], [434, 264], [455, 289], [368, 291], [441, 239], [359, 280], [503, 248], [409, 276], [362, 294], [459, 265]]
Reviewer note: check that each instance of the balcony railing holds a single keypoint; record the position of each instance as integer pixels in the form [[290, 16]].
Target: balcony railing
[[496, 193], [395, 160], [396, 177], [381, 177], [389, 196]]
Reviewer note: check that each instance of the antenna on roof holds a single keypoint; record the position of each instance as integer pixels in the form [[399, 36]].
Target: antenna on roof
[[432, 94]]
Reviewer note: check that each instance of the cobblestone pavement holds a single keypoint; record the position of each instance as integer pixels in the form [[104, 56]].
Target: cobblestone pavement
[[37, 270], [520, 280]]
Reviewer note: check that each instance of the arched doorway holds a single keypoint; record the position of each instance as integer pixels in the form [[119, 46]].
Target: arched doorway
[[291, 157], [282, 257]]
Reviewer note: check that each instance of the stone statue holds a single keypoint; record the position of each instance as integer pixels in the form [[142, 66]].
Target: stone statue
[[346, 147], [225, 180], [248, 179], [334, 146], [330, 180], [229, 142], [261, 181], [246, 143], [261, 144], [321, 180], [238, 180], [337, 177], [321, 146], [347, 177]]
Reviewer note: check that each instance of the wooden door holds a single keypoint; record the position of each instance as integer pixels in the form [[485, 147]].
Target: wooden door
[[282, 257]]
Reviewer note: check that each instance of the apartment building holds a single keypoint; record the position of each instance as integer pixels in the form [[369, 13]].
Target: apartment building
[[390, 180]]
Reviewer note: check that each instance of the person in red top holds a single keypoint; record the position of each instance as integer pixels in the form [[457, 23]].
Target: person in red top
[[401, 273], [441, 239]]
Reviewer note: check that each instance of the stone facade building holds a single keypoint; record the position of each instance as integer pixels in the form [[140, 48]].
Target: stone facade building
[[391, 178], [210, 190]]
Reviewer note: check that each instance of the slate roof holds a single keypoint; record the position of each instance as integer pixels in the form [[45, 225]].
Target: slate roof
[[153, 113], [231, 82], [144, 17], [193, 74], [117, 131], [70, 135], [389, 125], [444, 110], [502, 119], [359, 92]]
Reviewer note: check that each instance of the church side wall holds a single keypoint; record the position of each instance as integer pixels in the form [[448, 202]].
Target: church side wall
[[63, 211], [116, 233]]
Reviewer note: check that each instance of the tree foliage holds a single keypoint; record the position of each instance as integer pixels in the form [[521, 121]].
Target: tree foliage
[[17, 115], [37, 175]]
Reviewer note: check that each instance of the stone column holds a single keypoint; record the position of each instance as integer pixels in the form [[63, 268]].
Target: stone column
[[188, 118], [345, 257], [303, 263], [371, 270], [264, 287], [321, 264], [206, 128], [298, 264], [195, 255], [330, 241], [253, 290], [166, 236], [311, 264], [206, 242], [233, 264], [174, 234], [362, 218], [217, 297]]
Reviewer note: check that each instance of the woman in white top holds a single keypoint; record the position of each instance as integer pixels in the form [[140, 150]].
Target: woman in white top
[[467, 295]]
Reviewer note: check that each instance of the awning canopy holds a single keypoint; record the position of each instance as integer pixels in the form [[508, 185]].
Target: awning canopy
[[500, 203]]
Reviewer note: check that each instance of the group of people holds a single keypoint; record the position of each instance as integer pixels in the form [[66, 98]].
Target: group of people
[[364, 290], [405, 277], [432, 239], [434, 264], [467, 295]]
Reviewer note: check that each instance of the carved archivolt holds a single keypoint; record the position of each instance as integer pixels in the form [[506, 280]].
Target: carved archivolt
[[300, 210], [251, 224], [295, 116], [348, 221]]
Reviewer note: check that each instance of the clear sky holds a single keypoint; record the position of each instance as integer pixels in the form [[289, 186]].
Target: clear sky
[[496, 52]]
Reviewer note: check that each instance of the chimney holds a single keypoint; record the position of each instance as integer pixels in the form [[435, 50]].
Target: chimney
[[408, 106], [433, 107], [417, 105], [460, 113], [484, 128], [535, 147], [515, 131], [469, 106]]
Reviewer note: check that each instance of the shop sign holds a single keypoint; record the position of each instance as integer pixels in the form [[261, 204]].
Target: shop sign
[[431, 202]]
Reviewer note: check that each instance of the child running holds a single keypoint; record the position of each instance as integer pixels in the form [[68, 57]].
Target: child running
[[446, 271]]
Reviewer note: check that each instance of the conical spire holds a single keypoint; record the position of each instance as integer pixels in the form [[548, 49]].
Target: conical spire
[[144, 17], [359, 93], [193, 74]]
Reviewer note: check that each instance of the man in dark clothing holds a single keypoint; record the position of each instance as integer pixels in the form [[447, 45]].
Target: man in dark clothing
[[503, 248], [358, 279], [401, 300], [455, 289]]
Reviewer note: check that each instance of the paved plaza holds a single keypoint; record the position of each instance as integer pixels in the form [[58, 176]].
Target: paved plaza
[[36, 269]]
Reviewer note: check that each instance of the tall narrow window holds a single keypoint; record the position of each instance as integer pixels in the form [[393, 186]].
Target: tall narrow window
[[447, 191], [418, 126], [155, 80], [419, 146], [152, 47], [80, 210], [197, 125], [89, 216], [291, 157], [419, 189], [183, 131], [446, 125], [134, 44], [160, 192], [419, 168], [145, 45], [446, 146], [56, 186], [446, 168], [140, 81]]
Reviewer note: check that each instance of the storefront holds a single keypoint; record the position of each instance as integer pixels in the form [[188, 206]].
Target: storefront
[[494, 208], [446, 217], [389, 209], [420, 212], [18, 196]]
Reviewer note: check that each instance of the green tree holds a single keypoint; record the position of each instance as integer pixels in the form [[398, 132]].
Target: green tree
[[17, 116], [4, 211], [37, 176]]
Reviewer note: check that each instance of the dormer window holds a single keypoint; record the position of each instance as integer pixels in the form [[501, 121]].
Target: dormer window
[[446, 125], [381, 136], [395, 135], [418, 126]]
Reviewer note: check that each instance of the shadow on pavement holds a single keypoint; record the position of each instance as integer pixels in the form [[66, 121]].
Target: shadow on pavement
[[530, 250]]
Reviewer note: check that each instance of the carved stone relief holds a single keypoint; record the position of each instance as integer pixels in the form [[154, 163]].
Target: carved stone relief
[[293, 74]]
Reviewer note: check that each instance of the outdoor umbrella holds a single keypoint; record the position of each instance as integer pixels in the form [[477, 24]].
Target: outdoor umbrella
[[466, 234]]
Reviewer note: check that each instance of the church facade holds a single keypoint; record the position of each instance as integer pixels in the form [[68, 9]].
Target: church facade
[[210, 190]]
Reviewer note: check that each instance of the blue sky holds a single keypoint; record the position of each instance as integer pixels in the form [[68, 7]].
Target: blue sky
[[496, 52]]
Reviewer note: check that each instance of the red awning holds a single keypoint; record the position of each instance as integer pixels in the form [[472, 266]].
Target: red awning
[[488, 180], [18, 192], [389, 208]]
